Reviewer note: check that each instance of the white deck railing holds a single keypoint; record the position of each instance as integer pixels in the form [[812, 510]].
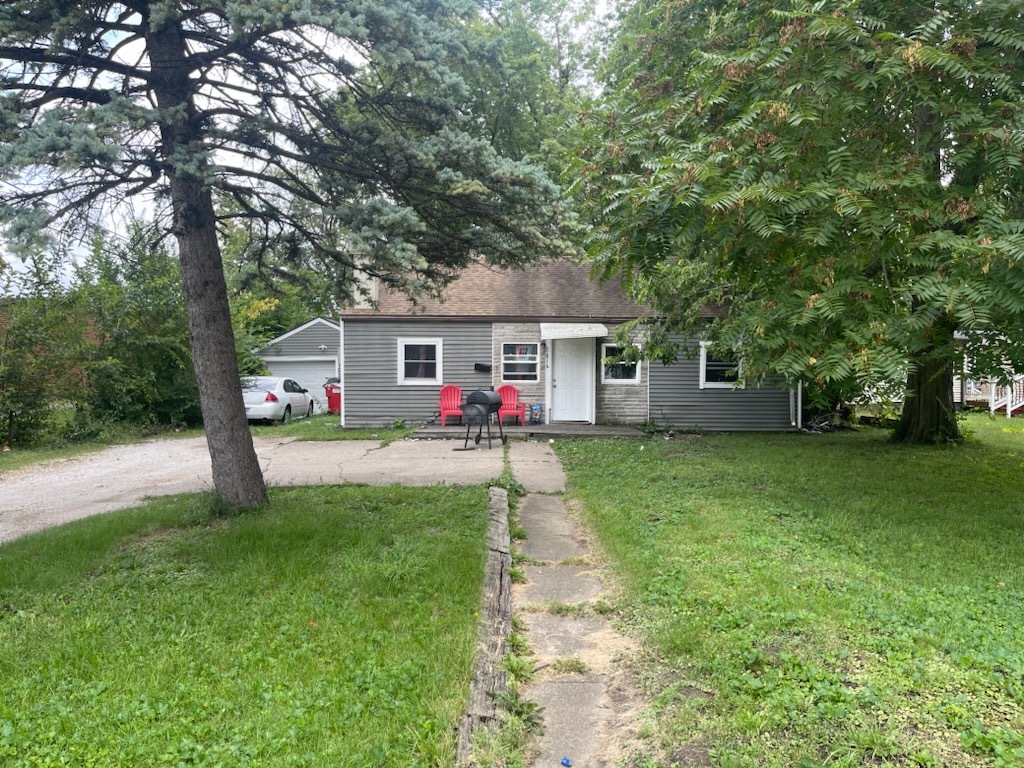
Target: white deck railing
[[1000, 397]]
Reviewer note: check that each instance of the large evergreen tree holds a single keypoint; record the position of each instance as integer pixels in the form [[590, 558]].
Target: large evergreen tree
[[336, 127], [844, 176]]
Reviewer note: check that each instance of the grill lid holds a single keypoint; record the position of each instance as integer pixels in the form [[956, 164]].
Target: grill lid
[[485, 397], [474, 414]]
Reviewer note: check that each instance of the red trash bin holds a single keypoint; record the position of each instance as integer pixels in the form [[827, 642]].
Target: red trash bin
[[333, 390]]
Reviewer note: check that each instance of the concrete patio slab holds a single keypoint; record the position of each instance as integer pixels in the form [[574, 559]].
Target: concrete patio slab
[[576, 710], [550, 535], [590, 639], [557, 584], [536, 467]]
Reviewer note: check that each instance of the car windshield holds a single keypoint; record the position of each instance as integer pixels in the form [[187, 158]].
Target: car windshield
[[264, 385]]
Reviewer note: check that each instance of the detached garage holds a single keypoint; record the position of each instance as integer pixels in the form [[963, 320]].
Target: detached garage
[[308, 354]]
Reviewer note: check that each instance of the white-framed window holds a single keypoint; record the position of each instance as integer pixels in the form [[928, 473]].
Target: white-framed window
[[520, 361], [617, 373], [420, 361], [718, 372]]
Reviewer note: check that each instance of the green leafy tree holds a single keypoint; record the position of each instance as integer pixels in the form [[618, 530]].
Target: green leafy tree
[[844, 176], [40, 344], [307, 121], [138, 363], [543, 54]]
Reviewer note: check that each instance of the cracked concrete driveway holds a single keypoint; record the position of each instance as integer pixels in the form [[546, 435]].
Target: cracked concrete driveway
[[49, 494]]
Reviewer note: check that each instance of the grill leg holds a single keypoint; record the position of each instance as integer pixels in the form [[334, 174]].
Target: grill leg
[[466, 441]]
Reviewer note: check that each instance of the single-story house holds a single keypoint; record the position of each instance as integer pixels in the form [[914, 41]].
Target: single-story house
[[308, 354], [547, 330]]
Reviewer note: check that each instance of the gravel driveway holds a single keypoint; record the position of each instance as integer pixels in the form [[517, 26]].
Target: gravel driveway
[[49, 494]]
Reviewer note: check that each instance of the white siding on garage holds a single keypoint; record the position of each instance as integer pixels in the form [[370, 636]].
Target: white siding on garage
[[309, 354]]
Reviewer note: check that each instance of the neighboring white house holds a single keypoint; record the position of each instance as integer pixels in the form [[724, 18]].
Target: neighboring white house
[[309, 354]]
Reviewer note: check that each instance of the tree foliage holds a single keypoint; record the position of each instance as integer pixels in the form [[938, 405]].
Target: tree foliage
[[302, 118], [544, 54], [138, 363], [40, 343], [845, 176]]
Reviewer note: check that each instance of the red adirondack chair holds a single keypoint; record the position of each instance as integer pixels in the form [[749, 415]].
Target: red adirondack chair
[[510, 405], [451, 402]]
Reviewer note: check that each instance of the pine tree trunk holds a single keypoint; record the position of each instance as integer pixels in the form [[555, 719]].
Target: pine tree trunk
[[237, 477], [928, 415]]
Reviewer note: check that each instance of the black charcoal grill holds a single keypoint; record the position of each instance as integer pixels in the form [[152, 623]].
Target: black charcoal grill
[[476, 412]]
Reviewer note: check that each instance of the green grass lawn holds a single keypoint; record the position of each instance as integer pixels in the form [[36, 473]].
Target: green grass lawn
[[820, 600], [334, 628], [326, 427]]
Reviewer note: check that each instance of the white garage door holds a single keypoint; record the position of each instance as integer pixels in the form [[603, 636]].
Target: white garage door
[[311, 375]]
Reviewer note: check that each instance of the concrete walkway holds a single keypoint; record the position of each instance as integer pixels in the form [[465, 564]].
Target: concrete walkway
[[576, 649]]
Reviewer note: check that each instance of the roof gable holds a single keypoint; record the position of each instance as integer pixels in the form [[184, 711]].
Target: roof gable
[[305, 326]]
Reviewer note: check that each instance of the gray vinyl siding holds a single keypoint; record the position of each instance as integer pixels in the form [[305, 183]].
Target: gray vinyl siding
[[372, 394], [306, 343], [677, 401]]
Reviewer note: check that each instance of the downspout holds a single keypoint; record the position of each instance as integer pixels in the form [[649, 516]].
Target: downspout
[[796, 406], [341, 372], [799, 405]]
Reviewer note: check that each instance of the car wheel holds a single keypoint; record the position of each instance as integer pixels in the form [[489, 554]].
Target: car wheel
[[309, 413], [287, 415]]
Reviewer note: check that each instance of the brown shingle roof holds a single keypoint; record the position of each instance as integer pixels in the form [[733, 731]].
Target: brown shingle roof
[[558, 290]]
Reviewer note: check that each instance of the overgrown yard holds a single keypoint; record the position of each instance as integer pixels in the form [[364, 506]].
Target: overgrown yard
[[334, 628], [820, 599]]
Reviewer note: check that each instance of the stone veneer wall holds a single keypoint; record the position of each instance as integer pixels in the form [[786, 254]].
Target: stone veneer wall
[[622, 403], [528, 333]]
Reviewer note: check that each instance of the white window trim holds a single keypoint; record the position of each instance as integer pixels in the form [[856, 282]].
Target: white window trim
[[618, 382], [704, 383], [519, 381], [402, 381]]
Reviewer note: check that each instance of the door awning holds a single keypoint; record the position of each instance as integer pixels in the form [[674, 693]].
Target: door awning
[[572, 331]]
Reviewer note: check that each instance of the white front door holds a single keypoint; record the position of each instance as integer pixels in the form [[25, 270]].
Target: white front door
[[572, 380]]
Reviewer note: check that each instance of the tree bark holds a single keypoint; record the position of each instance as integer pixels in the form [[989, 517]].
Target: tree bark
[[237, 477], [928, 415]]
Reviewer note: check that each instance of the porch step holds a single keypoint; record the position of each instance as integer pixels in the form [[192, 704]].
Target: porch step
[[534, 431]]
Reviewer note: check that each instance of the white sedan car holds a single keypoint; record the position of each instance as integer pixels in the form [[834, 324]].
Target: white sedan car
[[271, 398]]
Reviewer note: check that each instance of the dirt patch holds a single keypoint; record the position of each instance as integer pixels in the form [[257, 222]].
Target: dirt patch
[[691, 756], [621, 735]]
